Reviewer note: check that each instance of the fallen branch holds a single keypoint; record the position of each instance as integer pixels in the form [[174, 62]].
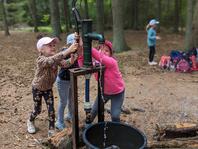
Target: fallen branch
[[174, 144], [180, 130]]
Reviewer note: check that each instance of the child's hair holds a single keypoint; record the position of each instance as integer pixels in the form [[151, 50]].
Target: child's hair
[[108, 44], [147, 27], [40, 35]]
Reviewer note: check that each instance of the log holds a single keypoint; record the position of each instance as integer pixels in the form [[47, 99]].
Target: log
[[175, 143], [63, 139], [177, 130]]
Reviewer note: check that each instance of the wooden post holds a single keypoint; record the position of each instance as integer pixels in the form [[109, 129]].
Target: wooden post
[[74, 104], [74, 73]]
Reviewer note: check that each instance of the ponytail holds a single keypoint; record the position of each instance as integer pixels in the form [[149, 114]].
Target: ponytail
[[147, 27]]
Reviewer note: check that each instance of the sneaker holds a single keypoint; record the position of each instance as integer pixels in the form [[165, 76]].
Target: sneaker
[[59, 126], [154, 63], [30, 127], [68, 118], [150, 63], [51, 132]]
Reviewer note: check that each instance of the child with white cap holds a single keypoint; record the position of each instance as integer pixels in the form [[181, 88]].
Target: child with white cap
[[44, 78], [64, 87], [151, 40]]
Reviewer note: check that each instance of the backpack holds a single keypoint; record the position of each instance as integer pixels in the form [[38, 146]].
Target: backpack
[[176, 56], [183, 66], [164, 62]]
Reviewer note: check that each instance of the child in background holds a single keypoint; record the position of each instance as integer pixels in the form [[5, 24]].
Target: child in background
[[64, 87], [45, 76], [114, 87], [151, 40]]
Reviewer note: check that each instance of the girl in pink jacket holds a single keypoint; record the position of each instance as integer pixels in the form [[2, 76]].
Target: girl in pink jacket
[[114, 87]]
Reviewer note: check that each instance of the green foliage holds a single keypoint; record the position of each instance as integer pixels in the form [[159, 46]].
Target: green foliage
[[43, 12], [46, 19], [17, 11], [47, 29]]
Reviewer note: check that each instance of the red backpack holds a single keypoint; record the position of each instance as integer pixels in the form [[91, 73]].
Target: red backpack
[[164, 62]]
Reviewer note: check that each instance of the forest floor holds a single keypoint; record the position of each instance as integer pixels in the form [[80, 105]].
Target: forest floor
[[161, 96]]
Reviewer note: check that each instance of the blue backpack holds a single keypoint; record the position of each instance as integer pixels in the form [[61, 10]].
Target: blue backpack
[[176, 56]]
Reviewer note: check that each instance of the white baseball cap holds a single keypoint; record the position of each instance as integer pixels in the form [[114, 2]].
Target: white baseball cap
[[44, 41], [153, 22]]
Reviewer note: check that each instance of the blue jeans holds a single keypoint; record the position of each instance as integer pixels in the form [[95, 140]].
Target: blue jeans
[[116, 104], [64, 91]]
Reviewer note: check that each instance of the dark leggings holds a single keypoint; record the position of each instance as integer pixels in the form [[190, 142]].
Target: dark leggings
[[151, 53], [49, 100]]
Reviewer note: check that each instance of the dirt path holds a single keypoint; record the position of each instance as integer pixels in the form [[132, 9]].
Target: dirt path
[[162, 96]]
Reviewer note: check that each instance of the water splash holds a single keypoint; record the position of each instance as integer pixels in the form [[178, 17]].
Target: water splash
[[105, 134], [113, 147]]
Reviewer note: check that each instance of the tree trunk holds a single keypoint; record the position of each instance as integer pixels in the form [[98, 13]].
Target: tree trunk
[[66, 14], [119, 42], [128, 12], [135, 12], [55, 18], [86, 9], [159, 7], [33, 10], [100, 16], [194, 42], [177, 10], [5, 22], [188, 36]]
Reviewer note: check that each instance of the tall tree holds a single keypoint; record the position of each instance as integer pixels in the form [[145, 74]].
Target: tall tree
[[188, 35], [159, 7], [177, 11], [33, 10], [119, 42], [194, 42], [86, 9], [66, 14], [100, 16], [5, 22], [135, 13], [55, 18]]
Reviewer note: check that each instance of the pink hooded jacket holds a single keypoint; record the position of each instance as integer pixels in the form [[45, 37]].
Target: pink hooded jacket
[[113, 82]]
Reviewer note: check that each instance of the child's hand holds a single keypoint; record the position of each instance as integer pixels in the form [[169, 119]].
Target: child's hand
[[77, 37], [73, 47], [63, 63], [73, 58], [158, 37]]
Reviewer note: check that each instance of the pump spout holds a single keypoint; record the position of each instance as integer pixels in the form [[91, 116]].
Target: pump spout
[[96, 36]]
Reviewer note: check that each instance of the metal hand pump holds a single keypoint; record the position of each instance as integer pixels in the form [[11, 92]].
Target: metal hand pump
[[87, 36]]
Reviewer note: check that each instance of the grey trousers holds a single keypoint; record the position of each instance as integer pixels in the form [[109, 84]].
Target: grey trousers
[[116, 104]]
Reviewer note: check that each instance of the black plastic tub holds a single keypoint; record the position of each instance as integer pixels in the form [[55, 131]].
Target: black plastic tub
[[113, 135]]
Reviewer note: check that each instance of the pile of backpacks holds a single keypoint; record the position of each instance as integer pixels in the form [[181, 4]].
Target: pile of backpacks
[[180, 61]]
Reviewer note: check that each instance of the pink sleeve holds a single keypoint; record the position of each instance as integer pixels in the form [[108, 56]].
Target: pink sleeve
[[106, 60], [80, 60]]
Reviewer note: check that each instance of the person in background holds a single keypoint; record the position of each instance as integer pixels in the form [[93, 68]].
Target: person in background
[[151, 40], [44, 78], [114, 87], [64, 87]]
